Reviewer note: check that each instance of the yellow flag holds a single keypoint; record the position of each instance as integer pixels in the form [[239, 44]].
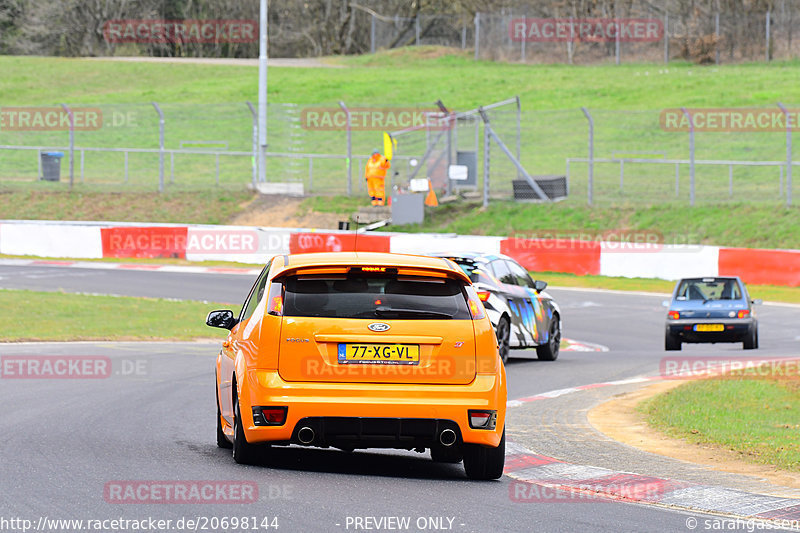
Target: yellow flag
[[388, 146]]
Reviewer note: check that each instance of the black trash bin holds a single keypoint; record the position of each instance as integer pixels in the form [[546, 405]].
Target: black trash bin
[[51, 166]]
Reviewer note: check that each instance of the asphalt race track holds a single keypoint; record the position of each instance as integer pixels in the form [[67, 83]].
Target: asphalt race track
[[68, 443]]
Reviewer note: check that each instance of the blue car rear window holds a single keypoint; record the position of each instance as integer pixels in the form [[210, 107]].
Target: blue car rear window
[[709, 289]]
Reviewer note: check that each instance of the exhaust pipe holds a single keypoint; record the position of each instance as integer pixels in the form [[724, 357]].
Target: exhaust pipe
[[305, 435], [447, 437]]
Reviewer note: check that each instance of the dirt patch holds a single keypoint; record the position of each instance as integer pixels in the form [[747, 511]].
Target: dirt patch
[[619, 419], [279, 211]]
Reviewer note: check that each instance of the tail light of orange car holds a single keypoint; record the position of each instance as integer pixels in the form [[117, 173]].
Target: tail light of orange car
[[743, 313], [673, 315], [270, 416], [486, 355], [482, 419], [275, 299], [475, 304]]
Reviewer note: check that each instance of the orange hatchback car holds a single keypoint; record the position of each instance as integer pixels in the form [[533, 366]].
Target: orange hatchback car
[[362, 350]]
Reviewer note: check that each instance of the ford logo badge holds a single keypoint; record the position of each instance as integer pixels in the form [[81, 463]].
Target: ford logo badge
[[379, 326]]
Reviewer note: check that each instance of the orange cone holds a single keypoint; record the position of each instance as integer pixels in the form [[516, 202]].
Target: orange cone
[[431, 200]]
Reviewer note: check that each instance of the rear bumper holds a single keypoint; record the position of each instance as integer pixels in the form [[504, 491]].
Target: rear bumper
[[443, 404], [735, 329]]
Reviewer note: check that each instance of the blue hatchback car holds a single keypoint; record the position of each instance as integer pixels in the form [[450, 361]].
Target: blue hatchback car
[[712, 310]]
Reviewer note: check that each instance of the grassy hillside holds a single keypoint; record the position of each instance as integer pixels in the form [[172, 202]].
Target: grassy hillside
[[205, 103], [401, 76]]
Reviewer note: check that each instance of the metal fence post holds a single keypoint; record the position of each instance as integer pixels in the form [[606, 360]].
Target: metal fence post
[[571, 42], [372, 34], [769, 20], [716, 34], [591, 154], [448, 120], [416, 30], [691, 155], [730, 181], [71, 144], [485, 165], [522, 42], [463, 36], [666, 38], [477, 35], [349, 149], [616, 33], [160, 147], [254, 163], [519, 133], [788, 154]]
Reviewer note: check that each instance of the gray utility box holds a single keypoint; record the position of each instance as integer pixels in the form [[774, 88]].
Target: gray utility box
[[469, 160], [554, 187], [51, 166], [408, 208]]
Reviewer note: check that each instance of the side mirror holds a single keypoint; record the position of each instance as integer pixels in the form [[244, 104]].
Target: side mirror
[[539, 285], [221, 319], [665, 303], [757, 301]]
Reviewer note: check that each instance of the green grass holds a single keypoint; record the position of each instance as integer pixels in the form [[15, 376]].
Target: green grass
[[754, 417], [206, 102], [142, 261], [342, 205], [202, 207], [53, 316], [754, 226], [427, 74]]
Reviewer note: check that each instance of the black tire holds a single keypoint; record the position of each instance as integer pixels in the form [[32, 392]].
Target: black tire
[[671, 342], [244, 453], [503, 333], [485, 462], [751, 341], [549, 351], [222, 440], [450, 454]]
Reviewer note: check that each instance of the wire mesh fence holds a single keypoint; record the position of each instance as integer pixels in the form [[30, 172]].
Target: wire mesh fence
[[615, 32], [636, 157]]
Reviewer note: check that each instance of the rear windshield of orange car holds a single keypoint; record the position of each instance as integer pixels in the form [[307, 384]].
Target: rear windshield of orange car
[[384, 296]]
